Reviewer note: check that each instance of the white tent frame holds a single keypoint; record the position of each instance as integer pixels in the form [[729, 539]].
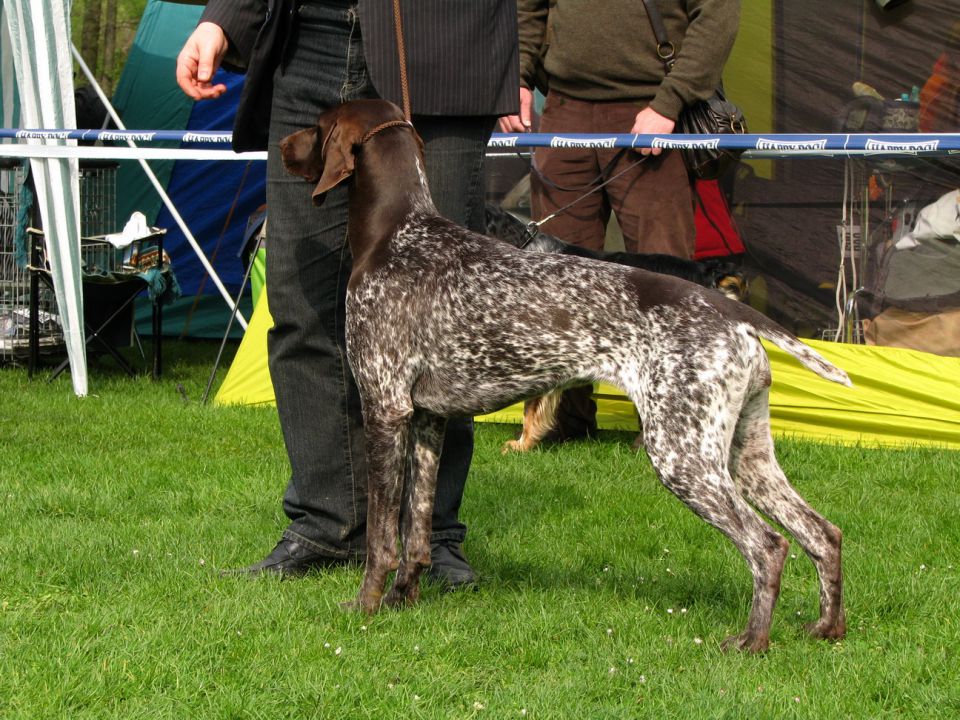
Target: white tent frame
[[44, 77], [39, 35]]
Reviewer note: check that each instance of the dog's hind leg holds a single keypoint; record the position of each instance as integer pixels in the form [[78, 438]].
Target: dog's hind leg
[[765, 485], [697, 474], [426, 441], [387, 432], [539, 418]]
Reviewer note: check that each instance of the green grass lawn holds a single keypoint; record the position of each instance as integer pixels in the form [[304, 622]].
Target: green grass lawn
[[601, 595]]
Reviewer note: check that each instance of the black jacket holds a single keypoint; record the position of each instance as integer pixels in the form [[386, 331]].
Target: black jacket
[[461, 55]]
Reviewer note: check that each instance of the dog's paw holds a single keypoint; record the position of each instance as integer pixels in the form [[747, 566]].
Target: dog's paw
[[827, 630], [401, 597], [513, 446], [746, 642], [357, 605], [350, 606]]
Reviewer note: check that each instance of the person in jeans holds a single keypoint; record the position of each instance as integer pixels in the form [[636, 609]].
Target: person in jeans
[[301, 58], [597, 63]]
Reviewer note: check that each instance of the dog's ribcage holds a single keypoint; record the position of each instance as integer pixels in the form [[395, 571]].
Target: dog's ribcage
[[505, 324]]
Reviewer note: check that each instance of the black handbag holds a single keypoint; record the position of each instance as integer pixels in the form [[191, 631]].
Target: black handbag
[[714, 116]]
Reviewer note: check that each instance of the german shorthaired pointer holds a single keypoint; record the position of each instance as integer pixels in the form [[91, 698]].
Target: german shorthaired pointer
[[441, 323], [539, 413]]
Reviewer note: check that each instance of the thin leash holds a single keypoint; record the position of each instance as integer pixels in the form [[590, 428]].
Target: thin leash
[[402, 60], [533, 227]]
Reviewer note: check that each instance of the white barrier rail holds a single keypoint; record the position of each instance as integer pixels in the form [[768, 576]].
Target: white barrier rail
[[215, 145]]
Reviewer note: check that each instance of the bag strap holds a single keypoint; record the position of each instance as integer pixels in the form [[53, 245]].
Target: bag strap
[[665, 49], [402, 60]]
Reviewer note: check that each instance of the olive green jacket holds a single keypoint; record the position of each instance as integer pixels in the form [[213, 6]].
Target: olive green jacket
[[602, 50]]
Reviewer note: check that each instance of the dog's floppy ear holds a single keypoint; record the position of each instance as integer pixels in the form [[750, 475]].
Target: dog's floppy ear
[[301, 154], [324, 159]]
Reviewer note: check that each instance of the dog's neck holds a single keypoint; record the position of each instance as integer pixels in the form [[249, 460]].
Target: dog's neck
[[389, 184]]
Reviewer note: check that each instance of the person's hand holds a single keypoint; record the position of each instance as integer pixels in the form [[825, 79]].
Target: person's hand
[[199, 60], [521, 122], [650, 122]]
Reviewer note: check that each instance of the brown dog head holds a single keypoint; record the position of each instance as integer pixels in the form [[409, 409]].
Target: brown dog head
[[326, 154]]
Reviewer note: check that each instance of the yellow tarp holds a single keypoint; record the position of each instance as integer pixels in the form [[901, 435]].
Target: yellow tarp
[[900, 397], [248, 379]]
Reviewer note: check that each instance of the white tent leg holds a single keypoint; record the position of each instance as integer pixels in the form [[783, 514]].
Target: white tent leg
[[163, 193], [45, 81]]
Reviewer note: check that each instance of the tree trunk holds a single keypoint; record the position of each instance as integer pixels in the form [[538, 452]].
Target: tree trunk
[[90, 37], [109, 71]]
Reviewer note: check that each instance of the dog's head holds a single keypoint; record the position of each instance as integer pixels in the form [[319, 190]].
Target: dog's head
[[326, 153], [727, 278]]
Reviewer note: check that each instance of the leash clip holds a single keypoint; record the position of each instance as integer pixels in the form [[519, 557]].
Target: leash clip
[[533, 229]]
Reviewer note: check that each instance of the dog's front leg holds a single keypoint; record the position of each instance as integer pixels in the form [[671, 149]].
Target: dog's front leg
[[387, 432], [426, 441], [539, 418]]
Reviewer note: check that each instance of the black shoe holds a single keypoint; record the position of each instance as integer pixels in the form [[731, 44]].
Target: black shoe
[[288, 559], [449, 567]]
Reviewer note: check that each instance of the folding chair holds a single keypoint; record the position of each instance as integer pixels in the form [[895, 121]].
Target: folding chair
[[112, 281]]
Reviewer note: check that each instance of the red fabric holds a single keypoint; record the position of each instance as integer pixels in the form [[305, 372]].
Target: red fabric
[[716, 233], [940, 99]]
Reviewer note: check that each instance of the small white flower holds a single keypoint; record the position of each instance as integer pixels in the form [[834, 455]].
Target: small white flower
[[416, 648], [793, 556], [606, 568], [478, 706], [669, 611], [363, 628], [338, 650], [326, 645], [612, 671], [642, 678], [136, 552], [697, 641], [683, 611], [796, 699], [923, 567], [523, 711], [666, 551], [629, 661], [609, 631], [202, 561]]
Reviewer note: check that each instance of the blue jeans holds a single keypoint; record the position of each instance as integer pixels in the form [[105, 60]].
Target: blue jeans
[[307, 271]]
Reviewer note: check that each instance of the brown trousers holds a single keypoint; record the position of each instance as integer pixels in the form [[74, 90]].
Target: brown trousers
[[653, 202]]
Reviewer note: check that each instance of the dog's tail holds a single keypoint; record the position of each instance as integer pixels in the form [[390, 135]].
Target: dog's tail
[[788, 342], [807, 356]]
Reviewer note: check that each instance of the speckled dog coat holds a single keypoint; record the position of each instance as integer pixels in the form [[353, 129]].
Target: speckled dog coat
[[540, 413], [441, 322]]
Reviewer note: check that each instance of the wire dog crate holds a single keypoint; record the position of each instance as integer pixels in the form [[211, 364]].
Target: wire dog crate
[[97, 217], [98, 198]]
